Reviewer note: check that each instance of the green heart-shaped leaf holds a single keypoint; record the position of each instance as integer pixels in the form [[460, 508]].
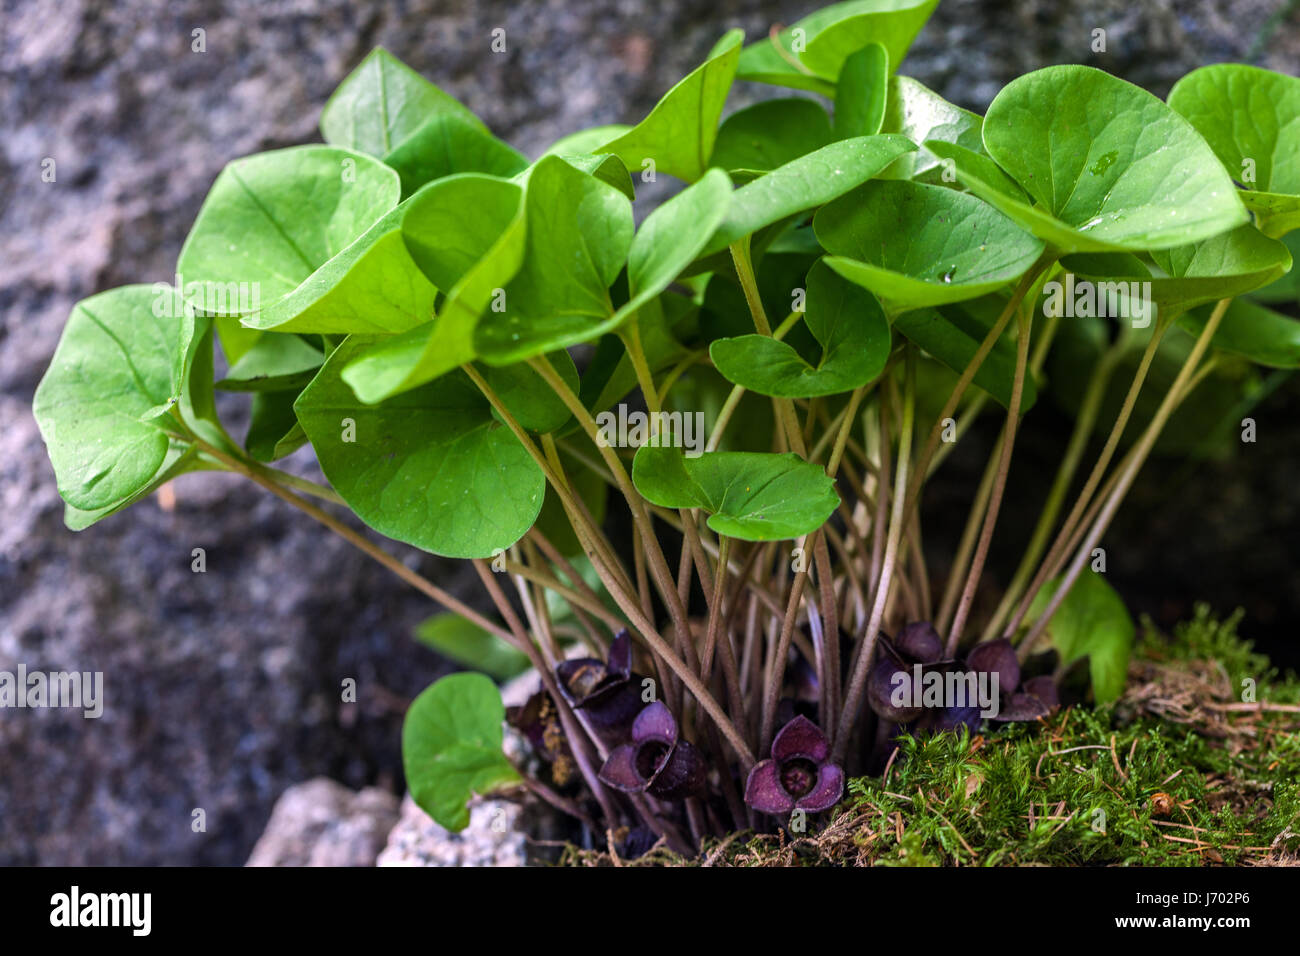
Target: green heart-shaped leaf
[[1251, 119], [679, 133], [430, 466], [916, 246], [806, 183], [1222, 267], [673, 235], [920, 114], [448, 144], [770, 134], [383, 103], [119, 367], [578, 231], [969, 166], [1286, 289], [451, 747], [181, 458], [1252, 331], [753, 496], [274, 363], [822, 41], [862, 92], [606, 167], [1109, 166], [847, 322], [471, 256], [312, 237], [1091, 622]]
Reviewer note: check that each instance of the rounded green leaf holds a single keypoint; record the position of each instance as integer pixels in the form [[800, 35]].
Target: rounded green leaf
[[847, 322], [916, 246], [1222, 267], [451, 747], [970, 166], [448, 144], [893, 24], [806, 183], [679, 133], [826, 38], [673, 235], [305, 240], [1108, 165], [471, 256], [606, 167], [119, 368], [180, 459], [1251, 119], [920, 114], [430, 466], [1252, 331], [382, 103], [770, 134], [862, 92], [275, 362], [1091, 622], [578, 231], [753, 496]]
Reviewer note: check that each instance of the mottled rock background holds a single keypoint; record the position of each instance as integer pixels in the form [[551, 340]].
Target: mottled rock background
[[222, 688]]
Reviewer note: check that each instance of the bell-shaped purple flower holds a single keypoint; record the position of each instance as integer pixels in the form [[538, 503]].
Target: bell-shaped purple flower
[[917, 643], [656, 761], [1036, 699], [607, 692], [798, 775]]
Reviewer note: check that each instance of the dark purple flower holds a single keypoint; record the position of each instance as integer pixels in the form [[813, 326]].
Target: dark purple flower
[[539, 721], [656, 761], [798, 775], [607, 692], [917, 643]]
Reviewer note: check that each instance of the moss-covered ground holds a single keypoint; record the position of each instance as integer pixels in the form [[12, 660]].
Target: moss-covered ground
[[1181, 771]]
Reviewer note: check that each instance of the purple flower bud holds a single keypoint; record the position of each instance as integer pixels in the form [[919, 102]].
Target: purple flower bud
[[996, 657]]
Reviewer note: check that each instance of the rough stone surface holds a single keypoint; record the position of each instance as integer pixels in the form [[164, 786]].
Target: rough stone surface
[[496, 836], [323, 823], [223, 688]]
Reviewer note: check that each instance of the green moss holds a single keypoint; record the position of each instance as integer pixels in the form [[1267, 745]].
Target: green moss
[[1078, 789]]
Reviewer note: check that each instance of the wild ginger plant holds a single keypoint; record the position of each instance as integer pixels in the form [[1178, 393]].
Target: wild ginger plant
[[687, 458]]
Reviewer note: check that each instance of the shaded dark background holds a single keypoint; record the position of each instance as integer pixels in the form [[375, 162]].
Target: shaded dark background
[[222, 688]]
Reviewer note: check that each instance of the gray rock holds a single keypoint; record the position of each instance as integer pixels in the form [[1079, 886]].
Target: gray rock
[[323, 823], [223, 688], [497, 835]]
